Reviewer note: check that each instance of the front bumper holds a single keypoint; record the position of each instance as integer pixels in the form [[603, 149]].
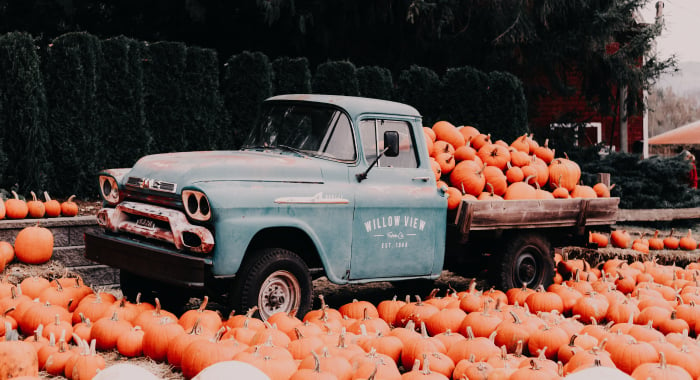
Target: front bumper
[[161, 264]]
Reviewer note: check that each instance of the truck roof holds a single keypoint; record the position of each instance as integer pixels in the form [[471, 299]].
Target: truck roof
[[354, 105]]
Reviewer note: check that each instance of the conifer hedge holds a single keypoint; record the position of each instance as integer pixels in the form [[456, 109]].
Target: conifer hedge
[[375, 82], [123, 127], [165, 103], [204, 120], [291, 76], [419, 86], [71, 69], [247, 82], [86, 104], [336, 78], [24, 159]]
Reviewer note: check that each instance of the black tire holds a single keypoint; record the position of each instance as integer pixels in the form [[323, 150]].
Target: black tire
[[274, 280], [171, 298], [522, 258]]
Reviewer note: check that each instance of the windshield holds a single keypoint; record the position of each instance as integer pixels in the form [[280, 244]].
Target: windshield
[[308, 129]]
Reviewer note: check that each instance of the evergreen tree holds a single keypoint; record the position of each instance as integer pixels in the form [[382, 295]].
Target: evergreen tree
[[122, 117], [24, 160], [247, 82], [72, 62]]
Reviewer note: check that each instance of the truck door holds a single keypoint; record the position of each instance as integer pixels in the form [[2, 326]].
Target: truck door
[[399, 220]]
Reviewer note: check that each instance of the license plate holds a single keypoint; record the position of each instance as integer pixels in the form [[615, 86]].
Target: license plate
[[147, 223]]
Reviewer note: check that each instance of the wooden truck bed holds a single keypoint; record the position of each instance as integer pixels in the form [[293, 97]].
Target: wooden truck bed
[[548, 213]]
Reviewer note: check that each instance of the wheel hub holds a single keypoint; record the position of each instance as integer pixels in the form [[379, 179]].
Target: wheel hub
[[526, 269], [280, 292]]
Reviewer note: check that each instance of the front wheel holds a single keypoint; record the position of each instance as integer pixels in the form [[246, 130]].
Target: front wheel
[[523, 258], [275, 280]]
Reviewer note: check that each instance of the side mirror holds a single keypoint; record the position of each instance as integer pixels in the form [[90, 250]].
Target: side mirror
[[391, 143], [391, 149]]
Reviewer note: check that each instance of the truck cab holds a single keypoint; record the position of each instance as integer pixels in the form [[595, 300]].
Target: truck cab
[[324, 185]]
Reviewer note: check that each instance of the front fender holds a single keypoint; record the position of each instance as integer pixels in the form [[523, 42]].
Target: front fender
[[234, 235]]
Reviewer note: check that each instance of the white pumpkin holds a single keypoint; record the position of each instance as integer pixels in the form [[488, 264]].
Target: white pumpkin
[[598, 373], [227, 369], [125, 371]]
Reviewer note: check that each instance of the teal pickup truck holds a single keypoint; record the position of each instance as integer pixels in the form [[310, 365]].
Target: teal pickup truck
[[325, 185]]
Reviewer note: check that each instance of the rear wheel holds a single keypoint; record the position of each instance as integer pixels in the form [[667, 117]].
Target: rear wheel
[[275, 280], [523, 258]]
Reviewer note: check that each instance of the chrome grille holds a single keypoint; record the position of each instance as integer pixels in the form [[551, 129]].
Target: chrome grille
[[151, 184]]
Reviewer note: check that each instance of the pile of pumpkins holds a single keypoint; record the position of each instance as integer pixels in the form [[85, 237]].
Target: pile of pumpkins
[[623, 239], [17, 208], [471, 166], [636, 319]]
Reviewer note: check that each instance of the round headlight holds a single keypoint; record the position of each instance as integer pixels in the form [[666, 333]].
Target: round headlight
[[192, 204], [204, 205], [109, 189], [196, 205]]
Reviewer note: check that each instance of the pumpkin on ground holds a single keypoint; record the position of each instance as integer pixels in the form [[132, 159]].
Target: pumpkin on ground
[[17, 358]]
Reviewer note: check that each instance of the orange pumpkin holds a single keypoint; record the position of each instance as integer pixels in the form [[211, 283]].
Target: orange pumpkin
[[468, 176], [34, 245], [36, 207], [544, 152], [521, 144], [602, 190], [52, 206], [7, 252], [16, 208], [564, 173], [687, 242], [445, 131], [520, 190], [68, 207], [494, 155], [454, 198], [468, 132]]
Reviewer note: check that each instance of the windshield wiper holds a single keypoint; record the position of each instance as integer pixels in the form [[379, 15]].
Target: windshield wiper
[[291, 149]]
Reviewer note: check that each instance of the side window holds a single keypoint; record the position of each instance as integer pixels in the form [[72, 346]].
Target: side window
[[372, 135]]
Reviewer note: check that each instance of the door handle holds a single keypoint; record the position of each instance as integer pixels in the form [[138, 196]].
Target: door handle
[[424, 179]]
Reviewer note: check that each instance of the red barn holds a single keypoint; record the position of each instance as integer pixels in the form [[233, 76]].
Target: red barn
[[626, 133]]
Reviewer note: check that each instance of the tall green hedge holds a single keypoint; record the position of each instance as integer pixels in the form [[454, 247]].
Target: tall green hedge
[[463, 97], [420, 87], [291, 76], [166, 108], [336, 78], [24, 159], [71, 74], [204, 123], [375, 82], [247, 82], [504, 107], [84, 104], [122, 118]]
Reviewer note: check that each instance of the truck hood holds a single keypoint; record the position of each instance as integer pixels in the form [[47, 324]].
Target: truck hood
[[185, 168]]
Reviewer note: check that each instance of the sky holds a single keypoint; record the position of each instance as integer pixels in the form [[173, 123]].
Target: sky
[[680, 36]]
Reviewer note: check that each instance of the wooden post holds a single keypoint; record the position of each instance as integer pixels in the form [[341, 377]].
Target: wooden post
[[604, 178]]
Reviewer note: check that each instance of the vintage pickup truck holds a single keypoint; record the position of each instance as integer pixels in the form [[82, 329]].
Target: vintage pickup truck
[[325, 185]]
